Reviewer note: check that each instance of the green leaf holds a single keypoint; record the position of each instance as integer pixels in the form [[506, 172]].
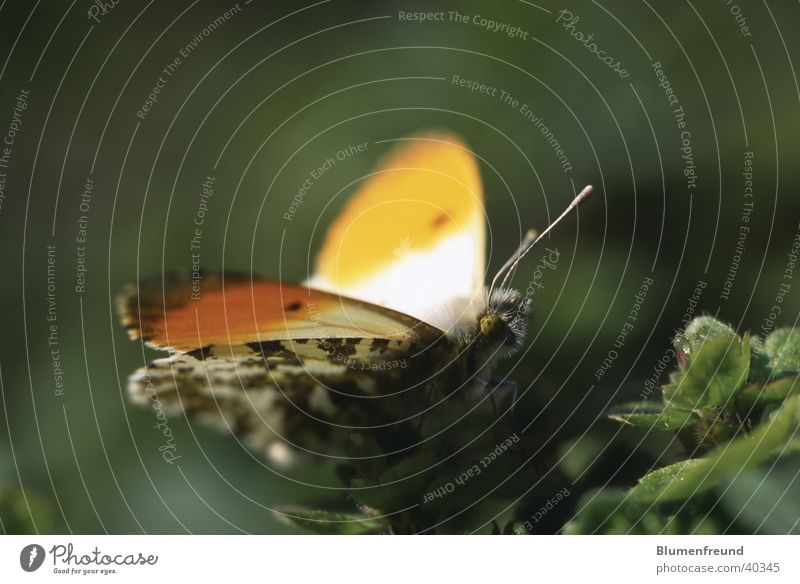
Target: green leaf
[[701, 330], [783, 347], [579, 455], [767, 503], [760, 368], [371, 494], [330, 523], [653, 415], [775, 392], [613, 511], [676, 419], [637, 413], [399, 486], [715, 372], [654, 485], [691, 477]]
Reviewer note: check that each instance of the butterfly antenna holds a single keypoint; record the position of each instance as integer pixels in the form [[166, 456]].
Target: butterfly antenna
[[527, 241], [531, 238]]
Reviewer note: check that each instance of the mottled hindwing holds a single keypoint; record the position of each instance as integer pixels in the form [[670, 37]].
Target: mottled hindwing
[[270, 361]]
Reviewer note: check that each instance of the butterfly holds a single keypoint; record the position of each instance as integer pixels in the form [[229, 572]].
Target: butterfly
[[395, 319]]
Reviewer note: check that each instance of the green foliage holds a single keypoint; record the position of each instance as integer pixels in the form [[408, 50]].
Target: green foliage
[[691, 477], [701, 330], [716, 370], [24, 512], [653, 414], [330, 522], [734, 402], [783, 349], [723, 382], [769, 504], [614, 511]]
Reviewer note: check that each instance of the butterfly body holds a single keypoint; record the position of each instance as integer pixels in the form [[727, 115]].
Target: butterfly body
[[312, 392], [394, 330]]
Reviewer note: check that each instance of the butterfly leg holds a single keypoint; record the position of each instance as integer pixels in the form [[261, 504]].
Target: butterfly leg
[[513, 386], [428, 400], [494, 386]]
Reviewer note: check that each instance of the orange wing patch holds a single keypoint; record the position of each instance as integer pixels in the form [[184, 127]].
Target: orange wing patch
[[424, 191], [234, 309]]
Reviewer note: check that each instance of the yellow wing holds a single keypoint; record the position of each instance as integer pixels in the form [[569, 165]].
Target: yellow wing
[[412, 238]]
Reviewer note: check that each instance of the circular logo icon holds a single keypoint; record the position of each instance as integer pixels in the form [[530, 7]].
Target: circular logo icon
[[31, 557]]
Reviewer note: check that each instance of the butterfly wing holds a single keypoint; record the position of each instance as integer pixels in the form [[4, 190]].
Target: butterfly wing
[[228, 313], [269, 361], [412, 237], [276, 399]]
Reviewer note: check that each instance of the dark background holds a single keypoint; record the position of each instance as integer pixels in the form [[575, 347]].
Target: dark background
[[275, 90]]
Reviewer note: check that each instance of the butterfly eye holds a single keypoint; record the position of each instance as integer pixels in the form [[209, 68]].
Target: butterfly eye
[[492, 327]]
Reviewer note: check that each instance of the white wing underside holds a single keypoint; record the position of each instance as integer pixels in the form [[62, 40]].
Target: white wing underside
[[441, 286]]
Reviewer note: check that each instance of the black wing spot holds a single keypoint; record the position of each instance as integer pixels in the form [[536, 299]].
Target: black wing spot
[[202, 353], [439, 220], [339, 347], [267, 348], [293, 306], [379, 345]]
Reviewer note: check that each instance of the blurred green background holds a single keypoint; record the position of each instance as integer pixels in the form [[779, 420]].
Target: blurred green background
[[275, 89]]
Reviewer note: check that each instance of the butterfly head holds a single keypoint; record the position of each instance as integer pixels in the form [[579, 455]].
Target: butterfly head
[[504, 323]]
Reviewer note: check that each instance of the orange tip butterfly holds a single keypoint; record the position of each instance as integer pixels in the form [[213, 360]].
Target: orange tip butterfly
[[395, 319]]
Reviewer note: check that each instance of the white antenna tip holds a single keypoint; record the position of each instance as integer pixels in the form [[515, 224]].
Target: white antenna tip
[[584, 194]]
